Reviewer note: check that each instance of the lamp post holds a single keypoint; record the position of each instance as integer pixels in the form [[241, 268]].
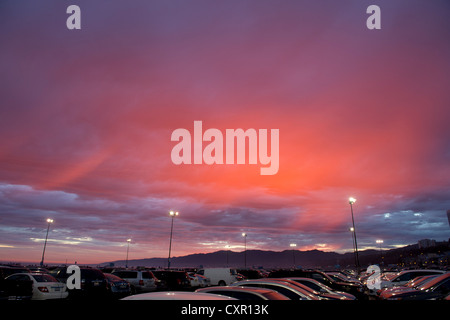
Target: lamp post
[[293, 245], [379, 241], [49, 221], [245, 249], [128, 248], [353, 243], [172, 214], [351, 201]]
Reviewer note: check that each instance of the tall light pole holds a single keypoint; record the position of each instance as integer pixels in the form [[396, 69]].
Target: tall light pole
[[49, 221], [172, 214], [293, 245], [381, 252], [353, 243], [245, 249], [227, 247], [128, 248], [351, 201]]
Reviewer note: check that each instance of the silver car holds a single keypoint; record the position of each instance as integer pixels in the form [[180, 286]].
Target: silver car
[[291, 291], [140, 280], [245, 293]]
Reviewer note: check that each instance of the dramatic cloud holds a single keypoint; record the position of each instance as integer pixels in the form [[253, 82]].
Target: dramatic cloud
[[86, 118]]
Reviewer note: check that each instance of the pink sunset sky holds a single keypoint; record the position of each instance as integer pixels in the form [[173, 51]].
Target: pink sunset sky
[[86, 118]]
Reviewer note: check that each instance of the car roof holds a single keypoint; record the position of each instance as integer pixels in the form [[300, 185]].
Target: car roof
[[177, 295], [421, 270], [31, 274], [241, 288], [279, 282]]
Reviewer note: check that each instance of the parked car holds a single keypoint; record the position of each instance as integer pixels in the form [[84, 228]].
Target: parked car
[[220, 276], [250, 274], [44, 285], [93, 283], [118, 287], [245, 293], [16, 288], [322, 290], [340, 277], [38, 269], [416, 282], [140, 280], [8, 270], [402, 278], [199, 281], [173, 279], [437, 288], [354, 289], [286, 289], [177, 295]]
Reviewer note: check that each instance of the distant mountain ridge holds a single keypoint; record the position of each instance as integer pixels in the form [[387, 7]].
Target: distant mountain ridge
[[258, 258], [286, 258]]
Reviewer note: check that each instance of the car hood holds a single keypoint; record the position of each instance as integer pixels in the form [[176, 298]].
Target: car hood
[[402, 293], [394, 291]]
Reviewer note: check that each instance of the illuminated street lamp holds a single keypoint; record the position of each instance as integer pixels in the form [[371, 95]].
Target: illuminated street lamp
[[128, 248], [245, 249], [351, 201], [172, 214], [293, 245], [49, 221]]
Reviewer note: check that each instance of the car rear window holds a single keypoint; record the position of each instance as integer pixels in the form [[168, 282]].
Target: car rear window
[[92, 274], [44, 278], [126, 274]]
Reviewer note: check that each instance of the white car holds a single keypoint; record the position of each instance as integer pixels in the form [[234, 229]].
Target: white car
[[140, 280], [197, 280], [45, 286], [220, 276]]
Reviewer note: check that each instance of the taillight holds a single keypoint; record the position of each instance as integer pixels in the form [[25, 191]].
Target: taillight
[[43, 289], [141, 282]]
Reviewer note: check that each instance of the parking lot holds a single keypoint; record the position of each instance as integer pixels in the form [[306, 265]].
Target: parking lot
[[52, 283]]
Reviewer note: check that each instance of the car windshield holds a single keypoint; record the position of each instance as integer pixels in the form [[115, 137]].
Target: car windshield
[[92, 274], [44, 278]]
